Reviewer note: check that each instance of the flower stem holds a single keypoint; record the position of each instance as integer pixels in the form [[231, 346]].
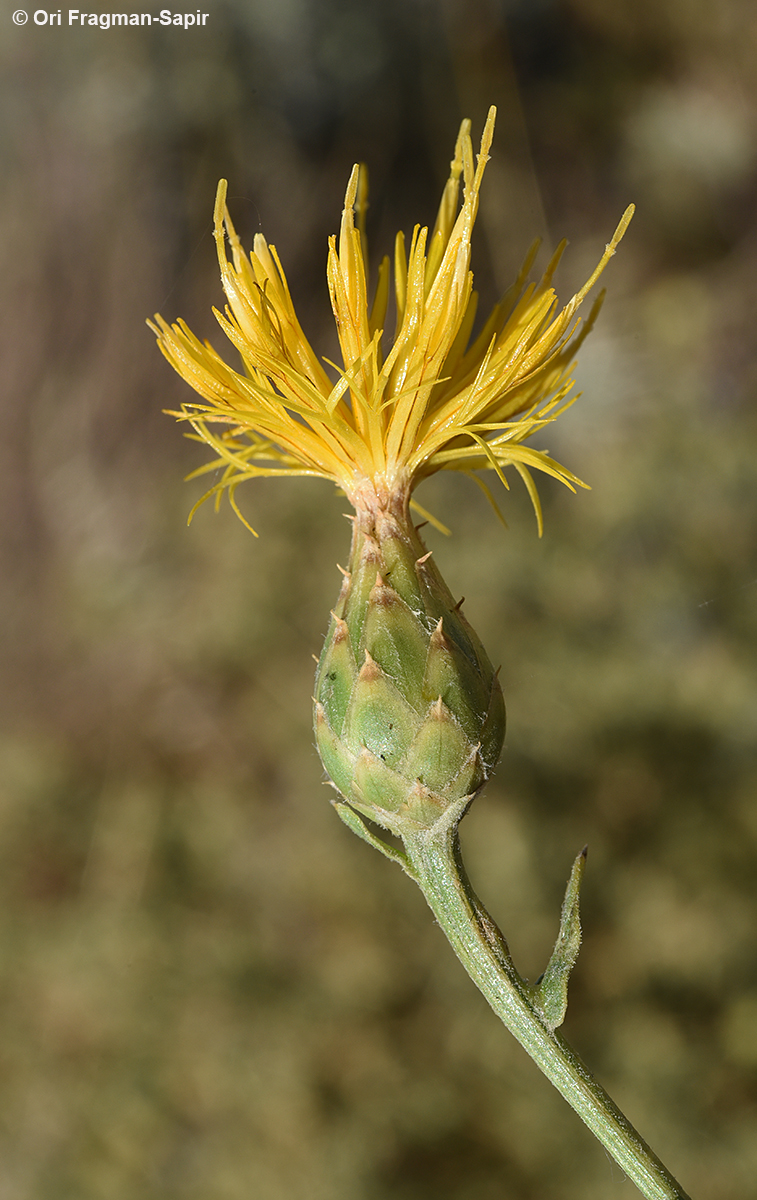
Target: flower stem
[[437, 866]]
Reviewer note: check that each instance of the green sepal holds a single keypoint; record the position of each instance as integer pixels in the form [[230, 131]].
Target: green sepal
[[384, 797], [376, 786], [362, 580], [439, 753], [400, 570], [439, 603], [337, 671], [423, 809], [335, 756], [449, 674], [378, 717], [394, 638], [493, 728]]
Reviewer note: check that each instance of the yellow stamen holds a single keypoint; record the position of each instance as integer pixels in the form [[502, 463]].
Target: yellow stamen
[[435, 402]]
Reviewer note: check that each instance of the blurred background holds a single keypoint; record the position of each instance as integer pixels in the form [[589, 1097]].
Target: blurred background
[[210, 990]]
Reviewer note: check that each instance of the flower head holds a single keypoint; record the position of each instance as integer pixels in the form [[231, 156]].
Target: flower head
[[436, 399]]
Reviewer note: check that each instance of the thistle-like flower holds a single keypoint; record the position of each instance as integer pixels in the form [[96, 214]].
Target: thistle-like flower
[[409, 714]]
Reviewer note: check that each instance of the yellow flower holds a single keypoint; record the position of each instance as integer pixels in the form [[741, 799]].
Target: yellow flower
[[390, 415]]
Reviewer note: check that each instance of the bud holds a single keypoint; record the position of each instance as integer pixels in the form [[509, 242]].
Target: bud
[[409, 714]]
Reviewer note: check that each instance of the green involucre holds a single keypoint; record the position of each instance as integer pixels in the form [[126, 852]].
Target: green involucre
[[409, 715]]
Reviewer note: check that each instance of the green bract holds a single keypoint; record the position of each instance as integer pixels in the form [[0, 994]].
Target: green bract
[[409, 715]]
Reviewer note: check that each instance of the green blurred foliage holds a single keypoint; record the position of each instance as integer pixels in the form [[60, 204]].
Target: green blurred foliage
[[210, 990]]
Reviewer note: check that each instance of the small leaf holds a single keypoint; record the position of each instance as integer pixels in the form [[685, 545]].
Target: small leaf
[[356, 823], [551, 992]]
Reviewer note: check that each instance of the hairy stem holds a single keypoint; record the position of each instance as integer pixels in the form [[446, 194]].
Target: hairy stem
[[436, 864]]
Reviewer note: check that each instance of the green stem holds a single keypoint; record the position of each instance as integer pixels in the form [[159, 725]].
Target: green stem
[[434, 856]]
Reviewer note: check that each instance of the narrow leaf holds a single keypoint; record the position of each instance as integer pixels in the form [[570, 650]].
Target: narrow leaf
[[551, 992]]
